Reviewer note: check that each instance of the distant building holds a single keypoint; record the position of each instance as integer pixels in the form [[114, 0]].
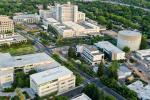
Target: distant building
[[131, 39], [8, 63], [143, 54], [45, 14], [11, 39], [92, 55], [123, 72], [58, 79], [6, 25], [69, 22], [81, 97], [26, 18], [68, 12], [142, 91], [110, 50]]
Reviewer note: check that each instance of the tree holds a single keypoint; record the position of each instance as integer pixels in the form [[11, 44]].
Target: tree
[[126, 49], [113, 70], [92, 91], [71, 52], [109, 25], [61, 98], [144, 43], [100, 71]]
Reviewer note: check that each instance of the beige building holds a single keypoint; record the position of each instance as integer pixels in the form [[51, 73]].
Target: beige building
[[68, 12], [58, 79], [6, 25], [131, 39]]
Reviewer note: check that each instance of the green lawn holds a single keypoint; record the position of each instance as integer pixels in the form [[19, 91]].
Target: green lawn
[[21, 50]]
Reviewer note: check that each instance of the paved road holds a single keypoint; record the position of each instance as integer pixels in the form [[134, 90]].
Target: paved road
[[123, 4]]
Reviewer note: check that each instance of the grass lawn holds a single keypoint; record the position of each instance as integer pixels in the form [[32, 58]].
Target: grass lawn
[[21, 50]]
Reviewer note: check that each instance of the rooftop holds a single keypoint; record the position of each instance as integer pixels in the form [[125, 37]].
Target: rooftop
[[142, 91], [74, 26], [26, 16], [91, 47], [130, 33], [50, 75], [4, 18], [108, 46], [144, 52], [16, 61], [81, 97]]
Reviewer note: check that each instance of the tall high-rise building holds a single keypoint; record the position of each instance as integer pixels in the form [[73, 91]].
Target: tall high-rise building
[[6, 25], [68, 12]]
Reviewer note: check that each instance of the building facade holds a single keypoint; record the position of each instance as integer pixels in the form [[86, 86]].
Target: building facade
[[6, 25], [58, 79], [26, 18], [92, 55], [68, 12], [110, 50], [131, 39], [6, 76]]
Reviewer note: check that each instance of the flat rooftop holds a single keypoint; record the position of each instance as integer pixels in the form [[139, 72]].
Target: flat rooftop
[[91, 47], [13, 38], [52, 20], [74, 26], [85, 26], [145, 52], [50, 75], [26, 16], [81, 97], [140, 89], [130, 33], [17, 61], [108, 46]]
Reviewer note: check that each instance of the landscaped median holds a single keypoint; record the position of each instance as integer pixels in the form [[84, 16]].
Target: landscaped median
[[18, 49]]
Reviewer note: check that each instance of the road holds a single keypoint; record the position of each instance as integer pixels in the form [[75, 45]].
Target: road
[[88, 79], [123, 4]]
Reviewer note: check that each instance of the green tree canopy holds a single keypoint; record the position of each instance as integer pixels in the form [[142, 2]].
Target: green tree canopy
[[100, 71], [144, 43], [126, 49]]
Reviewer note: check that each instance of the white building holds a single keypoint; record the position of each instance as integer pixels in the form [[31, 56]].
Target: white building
[[92, 55], [45, 14], [112, 51], [26, 18], [81, 97], [142, 91], [143, 54], [11, 39], [58, 79], [123, 72], [38, 61], [131, 39]]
